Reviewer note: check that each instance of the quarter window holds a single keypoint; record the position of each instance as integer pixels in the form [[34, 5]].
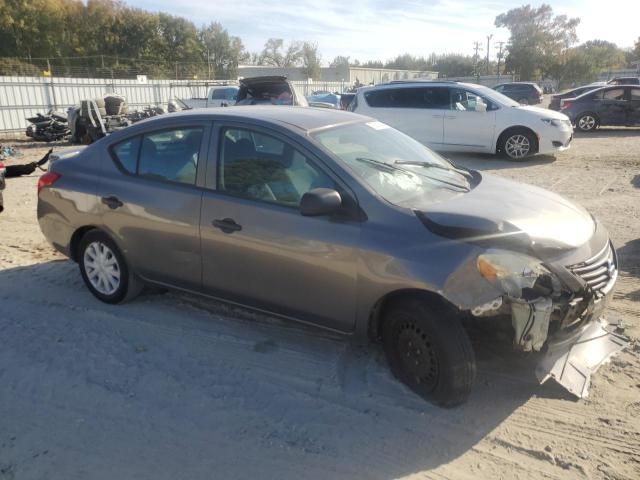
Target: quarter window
[[262, 167], [126, 154]]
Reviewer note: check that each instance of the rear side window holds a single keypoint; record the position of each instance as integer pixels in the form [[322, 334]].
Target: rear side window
[[171, 155], [614, 94], [635, 94], [416, 97], [126, 154]]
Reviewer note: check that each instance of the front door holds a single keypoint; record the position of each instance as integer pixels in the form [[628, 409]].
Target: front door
[[469, 123], [151, 203], [257, 248]]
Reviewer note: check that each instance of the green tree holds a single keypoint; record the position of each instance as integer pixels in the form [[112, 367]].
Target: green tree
[[539, 40], [225, 51], [311, 59]]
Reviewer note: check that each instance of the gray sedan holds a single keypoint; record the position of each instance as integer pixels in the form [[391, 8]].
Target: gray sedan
[[334, 219]]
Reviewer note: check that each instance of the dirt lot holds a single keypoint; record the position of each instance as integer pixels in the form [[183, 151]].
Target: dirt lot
[[171, 386]]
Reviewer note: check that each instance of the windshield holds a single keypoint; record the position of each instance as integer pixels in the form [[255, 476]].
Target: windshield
[[496, 96], [394, 165]]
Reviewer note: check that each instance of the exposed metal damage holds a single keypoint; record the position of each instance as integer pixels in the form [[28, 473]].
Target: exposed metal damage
[[557, 310]]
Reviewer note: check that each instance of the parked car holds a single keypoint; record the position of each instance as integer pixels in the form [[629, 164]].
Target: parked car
[[217, 96], [324, 99], [556, 99], [525, 93], [340, 221], [3, 172], [453, 116], [269, 90], [624, 81], [607, 106]]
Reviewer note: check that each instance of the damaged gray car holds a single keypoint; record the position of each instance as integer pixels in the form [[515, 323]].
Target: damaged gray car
[[337, 220]]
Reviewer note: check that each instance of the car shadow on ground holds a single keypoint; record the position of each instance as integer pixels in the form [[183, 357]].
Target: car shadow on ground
[[483, 161], [609, 132], [173, 376]]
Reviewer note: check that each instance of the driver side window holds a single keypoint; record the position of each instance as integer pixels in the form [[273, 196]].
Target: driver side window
[[260, 167]]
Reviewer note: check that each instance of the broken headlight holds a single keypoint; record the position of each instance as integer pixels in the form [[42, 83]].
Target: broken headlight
[[514, 273]]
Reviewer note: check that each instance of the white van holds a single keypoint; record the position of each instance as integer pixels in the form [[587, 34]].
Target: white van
[[453, 116]]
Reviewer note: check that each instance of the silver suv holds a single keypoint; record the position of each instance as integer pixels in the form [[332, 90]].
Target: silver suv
[[337, 220]]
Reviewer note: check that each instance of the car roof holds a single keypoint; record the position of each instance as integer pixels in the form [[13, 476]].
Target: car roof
[[291, 117], [416, 83]]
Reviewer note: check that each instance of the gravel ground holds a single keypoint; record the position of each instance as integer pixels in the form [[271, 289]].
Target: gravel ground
[[171, 386]]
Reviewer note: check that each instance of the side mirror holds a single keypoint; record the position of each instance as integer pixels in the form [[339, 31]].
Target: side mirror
[[320, 201]]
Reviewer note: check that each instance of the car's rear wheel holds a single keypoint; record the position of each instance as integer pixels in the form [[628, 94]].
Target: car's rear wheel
[[523, 101], [587, 122], [428, 350], [518, 144], [104, 269]]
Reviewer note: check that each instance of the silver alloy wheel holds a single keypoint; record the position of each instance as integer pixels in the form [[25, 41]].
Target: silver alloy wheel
[[586, 123], [517, 146], [102, 268]]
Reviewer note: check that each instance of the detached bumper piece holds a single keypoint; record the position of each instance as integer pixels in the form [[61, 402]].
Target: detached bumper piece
[[571, 362]]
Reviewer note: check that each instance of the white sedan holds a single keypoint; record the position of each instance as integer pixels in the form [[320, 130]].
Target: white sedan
[[453, 116]]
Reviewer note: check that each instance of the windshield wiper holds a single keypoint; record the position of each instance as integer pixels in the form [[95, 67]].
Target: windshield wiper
[[453, 168], [379, 163], [388, 167]]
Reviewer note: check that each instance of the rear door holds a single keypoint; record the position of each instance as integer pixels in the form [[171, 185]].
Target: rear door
[[469, 124], [633, 115], [258, 249], [417, 111], [151, 203], [611, 106]]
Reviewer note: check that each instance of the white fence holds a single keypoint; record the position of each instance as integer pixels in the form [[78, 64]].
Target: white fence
[[22, 97]]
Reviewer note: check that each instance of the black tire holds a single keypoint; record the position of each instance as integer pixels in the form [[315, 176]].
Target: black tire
[[587, 122], [430, 334], [512, 136], [128, 285], [523, 101]]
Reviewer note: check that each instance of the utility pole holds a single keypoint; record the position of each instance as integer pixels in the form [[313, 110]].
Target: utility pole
[[477, 48], [489, 37], [500, 44]]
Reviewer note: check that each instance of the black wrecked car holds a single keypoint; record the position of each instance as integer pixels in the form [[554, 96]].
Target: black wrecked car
[[269, 90], [607, 106]]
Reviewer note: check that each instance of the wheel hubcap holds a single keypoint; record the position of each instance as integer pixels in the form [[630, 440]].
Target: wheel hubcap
[[587, 122], [102, 268], [518, 146], [418, 355]]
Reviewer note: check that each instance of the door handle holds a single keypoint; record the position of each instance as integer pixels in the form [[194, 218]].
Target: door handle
[[227, 225], [112, 202], [451, 116]]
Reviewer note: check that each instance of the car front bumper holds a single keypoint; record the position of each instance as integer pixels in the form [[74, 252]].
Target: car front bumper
[[567, 324], [553, 140]]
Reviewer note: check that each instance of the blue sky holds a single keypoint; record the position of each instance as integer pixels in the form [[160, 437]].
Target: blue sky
[[379, 29]]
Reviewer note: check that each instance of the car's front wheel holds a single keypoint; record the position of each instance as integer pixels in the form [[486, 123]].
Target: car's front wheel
[[518, 144], [104, 269], [428, 349], [587, 122]]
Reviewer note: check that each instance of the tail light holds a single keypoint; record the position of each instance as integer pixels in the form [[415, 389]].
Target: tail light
[[47, 180], [565, 103]]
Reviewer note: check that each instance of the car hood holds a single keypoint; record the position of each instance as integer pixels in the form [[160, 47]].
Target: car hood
[[542, 112], [498, 210]]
